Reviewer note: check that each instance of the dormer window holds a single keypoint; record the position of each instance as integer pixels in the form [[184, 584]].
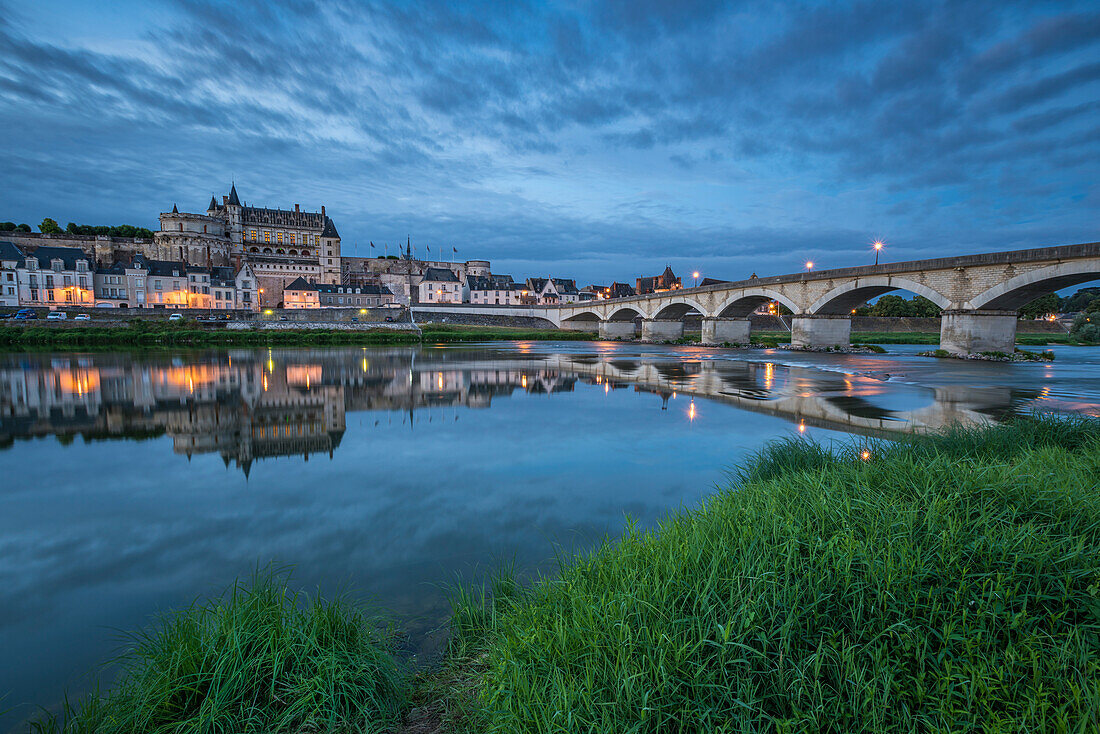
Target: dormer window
[[82, 266], [57, 265], [32, 264]]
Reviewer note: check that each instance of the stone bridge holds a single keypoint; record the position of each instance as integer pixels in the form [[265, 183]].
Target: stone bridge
[[979, 295]]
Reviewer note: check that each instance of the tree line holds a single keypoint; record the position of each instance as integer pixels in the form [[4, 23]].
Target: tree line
[[50, 226]]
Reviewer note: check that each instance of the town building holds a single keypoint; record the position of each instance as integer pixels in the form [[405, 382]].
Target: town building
[[300, 293], [49, 276], [548, 291], [666, 281], [10, 258], [341, 296], [620, 290], [493, 289], [122, 285], [440, 285]]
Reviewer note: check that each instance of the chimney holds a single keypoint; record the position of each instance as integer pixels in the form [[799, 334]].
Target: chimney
[[322, 210], [225, 200], [296, 208]]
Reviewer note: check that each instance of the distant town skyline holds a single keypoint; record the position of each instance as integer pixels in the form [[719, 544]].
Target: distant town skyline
[[595, 142]]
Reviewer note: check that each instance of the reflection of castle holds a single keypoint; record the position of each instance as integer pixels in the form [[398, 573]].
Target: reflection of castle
[[254, 404], [244, 405]]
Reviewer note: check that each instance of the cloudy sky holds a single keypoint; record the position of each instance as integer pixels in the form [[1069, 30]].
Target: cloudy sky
[[590, 139]]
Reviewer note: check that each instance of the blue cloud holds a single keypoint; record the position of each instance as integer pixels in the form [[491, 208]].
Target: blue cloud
[[589, 140]]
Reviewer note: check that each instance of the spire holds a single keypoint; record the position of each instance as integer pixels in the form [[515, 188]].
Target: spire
[[175, 210], [213, 204], [233, 200]]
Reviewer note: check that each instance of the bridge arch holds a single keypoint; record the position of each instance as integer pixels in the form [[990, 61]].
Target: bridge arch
[[680, 308], [1022, 289], [626, 313], [855, 293], [582, 316], [744, 303]]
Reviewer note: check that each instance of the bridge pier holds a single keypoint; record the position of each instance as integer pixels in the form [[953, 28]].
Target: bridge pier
[[822, 330], [617, 329], [970, 332], [719, 330], [662, 330]]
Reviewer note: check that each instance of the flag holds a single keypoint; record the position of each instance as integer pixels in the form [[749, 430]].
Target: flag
[[454, 250], [372, 245], [428, 248]]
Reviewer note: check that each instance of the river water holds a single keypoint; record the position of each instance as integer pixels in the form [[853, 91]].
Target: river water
[[134, 483]]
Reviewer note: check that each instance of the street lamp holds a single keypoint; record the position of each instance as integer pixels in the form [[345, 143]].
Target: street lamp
[[809, 265], [878, 248], [696, 276]]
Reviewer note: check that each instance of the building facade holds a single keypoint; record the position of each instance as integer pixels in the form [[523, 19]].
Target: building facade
[[279, 245]]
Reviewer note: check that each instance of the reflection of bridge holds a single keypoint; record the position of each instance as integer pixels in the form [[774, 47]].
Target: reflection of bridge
[[797, 394], [252, 404], [978, 293]]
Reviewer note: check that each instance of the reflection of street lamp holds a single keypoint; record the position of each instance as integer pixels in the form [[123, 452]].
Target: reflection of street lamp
[[695, 275], [878, 248]]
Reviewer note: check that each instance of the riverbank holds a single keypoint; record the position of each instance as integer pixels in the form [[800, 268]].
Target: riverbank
[[164, 334], [944, 582]]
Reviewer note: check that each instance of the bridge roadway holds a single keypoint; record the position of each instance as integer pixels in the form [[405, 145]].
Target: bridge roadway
[[979, 295]]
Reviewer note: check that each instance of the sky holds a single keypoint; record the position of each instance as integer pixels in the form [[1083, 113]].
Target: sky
[[596, 140]]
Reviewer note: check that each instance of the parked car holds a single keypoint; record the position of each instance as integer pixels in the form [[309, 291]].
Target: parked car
[[56, 316], [176, 317], [7, 315], [389, 319], [25, 313], [82, 317]]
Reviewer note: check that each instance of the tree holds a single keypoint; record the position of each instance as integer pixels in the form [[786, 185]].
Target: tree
[[23, 228], [7, 226], [49, 226], [1040, 307], [891, 306], [1079, 300], [921, 306]]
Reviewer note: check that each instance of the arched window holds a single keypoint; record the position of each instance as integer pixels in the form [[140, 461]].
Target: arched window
[[254, 249]]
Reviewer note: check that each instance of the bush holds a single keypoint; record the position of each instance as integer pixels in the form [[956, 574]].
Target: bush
[[939, 584], [261, 658]]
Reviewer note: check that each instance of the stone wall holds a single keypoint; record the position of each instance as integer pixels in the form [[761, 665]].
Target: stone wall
[[473, 319]]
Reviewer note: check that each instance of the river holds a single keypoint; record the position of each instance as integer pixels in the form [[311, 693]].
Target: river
[[134, 483]]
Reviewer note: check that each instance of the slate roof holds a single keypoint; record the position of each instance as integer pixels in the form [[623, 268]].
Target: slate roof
[[8, 251], [712, 281], [162, 268], [233, 200], [300, 284], [440, 275], [223, 276], [67, 255], [621, 290], [213, 204], [330, 229], [490, 282]]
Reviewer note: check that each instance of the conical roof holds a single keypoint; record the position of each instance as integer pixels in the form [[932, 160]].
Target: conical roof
[[233, 200]]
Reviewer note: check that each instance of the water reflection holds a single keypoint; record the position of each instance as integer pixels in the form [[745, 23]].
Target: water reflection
[[397, 477], [250, 405]]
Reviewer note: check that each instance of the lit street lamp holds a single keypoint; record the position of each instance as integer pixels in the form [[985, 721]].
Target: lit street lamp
[[878, 248], [809, 265], [696, 276]]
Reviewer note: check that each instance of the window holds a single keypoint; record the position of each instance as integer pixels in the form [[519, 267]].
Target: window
[[156, 284], [267, 237], [81, 266], [49, 281], [32, 264], [34, 294], [292, 238], [279, 237], [246, 284], [83, 282], [253, 235]]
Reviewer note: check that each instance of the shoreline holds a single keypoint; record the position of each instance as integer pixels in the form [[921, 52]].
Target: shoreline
[[997, 513], [148, 334]]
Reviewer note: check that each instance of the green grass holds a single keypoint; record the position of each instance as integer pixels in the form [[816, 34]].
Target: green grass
[[154, 334], [260, 658], [945, 583]]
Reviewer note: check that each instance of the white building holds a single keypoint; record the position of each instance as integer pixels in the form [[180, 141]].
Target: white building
[[493, 289], [50, 276], [440, 285]]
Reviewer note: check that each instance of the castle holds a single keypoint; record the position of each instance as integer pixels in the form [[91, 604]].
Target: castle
[[280, 245]]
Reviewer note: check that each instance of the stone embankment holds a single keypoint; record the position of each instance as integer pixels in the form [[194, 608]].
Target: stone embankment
[[328, 325]]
